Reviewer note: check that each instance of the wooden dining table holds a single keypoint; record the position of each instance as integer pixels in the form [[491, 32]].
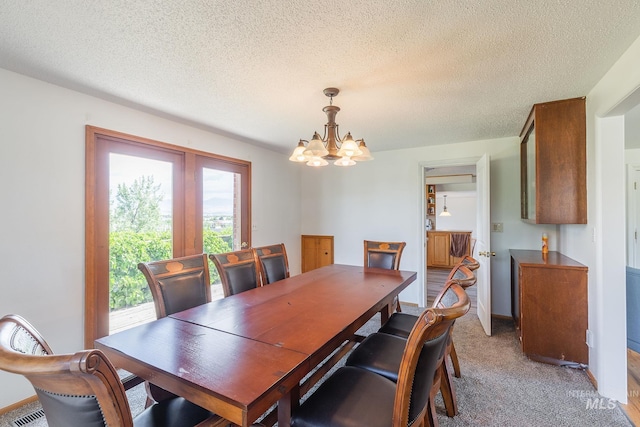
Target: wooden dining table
[[241, 355]]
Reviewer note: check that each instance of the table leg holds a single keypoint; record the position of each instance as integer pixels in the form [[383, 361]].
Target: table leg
[[385, 313], [286, 404]]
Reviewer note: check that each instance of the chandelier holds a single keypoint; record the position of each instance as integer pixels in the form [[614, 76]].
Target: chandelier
[[345, 151]]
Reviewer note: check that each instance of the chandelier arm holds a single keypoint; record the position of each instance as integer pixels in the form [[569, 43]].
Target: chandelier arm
[[338, 138]]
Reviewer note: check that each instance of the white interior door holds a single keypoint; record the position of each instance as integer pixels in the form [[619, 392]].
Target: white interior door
[[483, 244]]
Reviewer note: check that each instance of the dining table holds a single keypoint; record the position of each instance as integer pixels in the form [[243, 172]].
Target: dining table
[[254, 352]]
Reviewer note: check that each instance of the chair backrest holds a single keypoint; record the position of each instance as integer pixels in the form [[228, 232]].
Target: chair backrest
[[383, 254], [450, 295], [178, 284], [423, 353], [239, 271], [470, 262], [462, 275], [274, 264], [75, 390]]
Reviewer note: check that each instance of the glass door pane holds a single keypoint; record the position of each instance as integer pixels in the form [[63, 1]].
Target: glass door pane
[[140, 230], [221, 219]]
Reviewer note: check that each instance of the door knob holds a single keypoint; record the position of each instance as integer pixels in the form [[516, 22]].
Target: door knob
[[244, 245]]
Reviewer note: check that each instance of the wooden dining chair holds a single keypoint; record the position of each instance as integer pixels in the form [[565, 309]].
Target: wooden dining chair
[[384, 255], [400, 324], [239, 271], [178, 284], [465, 280], [353, 396], [83, 389], [381, 353], [274, 264]]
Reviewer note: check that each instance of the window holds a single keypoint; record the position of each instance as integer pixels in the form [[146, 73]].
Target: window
[[147, 200]]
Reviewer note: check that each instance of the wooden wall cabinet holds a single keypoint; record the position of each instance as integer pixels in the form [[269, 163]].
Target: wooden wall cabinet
[[553, 163], [317, 251], [439, 249], [549, 306]]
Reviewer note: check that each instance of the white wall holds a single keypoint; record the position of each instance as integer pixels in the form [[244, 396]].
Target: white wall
[[42, 140], [462, 207]]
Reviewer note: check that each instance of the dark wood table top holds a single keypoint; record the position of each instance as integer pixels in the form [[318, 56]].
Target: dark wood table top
[[239, 355]]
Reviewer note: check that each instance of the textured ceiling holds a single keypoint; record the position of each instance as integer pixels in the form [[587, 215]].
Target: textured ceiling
[[411, 73]]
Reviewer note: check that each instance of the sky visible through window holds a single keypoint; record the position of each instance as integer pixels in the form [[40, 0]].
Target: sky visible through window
[[217, 185]]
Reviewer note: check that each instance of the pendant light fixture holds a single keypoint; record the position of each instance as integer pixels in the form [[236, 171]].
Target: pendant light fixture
[[345, 151], [445, 212]]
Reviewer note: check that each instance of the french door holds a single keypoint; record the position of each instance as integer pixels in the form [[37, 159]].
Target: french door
[[147, 200]]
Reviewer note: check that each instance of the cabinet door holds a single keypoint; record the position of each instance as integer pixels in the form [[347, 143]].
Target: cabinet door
[[440, 249], [553, 163], [317, 251]]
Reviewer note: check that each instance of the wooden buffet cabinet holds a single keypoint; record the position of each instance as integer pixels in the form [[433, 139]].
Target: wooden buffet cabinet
[[549, 306], [439, 248]]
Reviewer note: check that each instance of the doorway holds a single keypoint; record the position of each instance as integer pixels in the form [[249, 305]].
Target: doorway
[[459, 181]]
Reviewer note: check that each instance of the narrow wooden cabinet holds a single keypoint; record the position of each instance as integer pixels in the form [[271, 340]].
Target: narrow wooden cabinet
[[549, 306], [317, 251], [553, 163], [439, 248]]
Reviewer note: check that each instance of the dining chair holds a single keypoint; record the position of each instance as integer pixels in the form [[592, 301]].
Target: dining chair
[[400, 324], [83, 389], [274, 264], [381, 353], [178, 284], [384, 255], [239, 271], [472, 265], [353, 396]]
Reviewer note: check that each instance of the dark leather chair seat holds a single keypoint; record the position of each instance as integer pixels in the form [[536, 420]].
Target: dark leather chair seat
[[399, 324], [170, 413], [339, 401], [379, 353]]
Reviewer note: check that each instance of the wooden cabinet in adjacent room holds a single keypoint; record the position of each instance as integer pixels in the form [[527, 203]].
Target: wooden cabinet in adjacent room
[[317, 251], [549, 306], [439, 248]]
